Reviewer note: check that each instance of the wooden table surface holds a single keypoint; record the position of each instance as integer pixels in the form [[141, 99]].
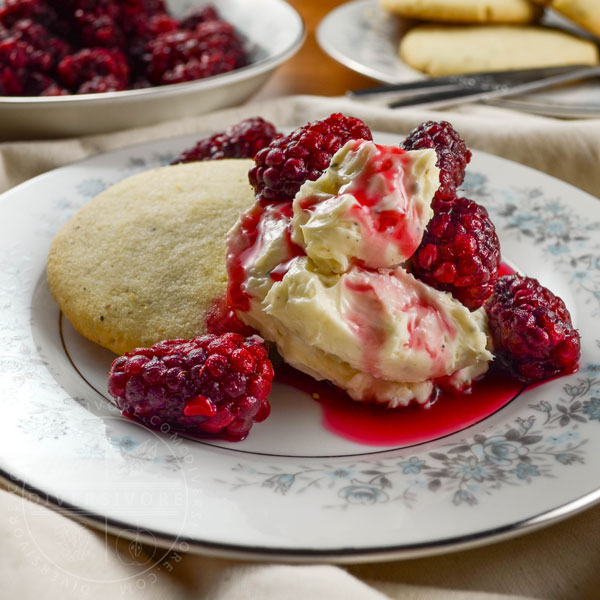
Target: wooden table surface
[[311, 71]]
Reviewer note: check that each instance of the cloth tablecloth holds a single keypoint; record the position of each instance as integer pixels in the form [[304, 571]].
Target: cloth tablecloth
[[46, 555]]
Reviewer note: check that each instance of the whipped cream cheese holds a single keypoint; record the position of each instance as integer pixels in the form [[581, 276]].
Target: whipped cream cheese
[[370, 206], [377, 332], [385, 322]]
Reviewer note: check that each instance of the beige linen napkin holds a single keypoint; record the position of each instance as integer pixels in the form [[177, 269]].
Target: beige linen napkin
[[46, 555], [569, 150]]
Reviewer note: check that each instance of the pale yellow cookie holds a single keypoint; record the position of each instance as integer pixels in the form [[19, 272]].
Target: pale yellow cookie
[[465, 11], [448, 50], [585, 13], [145, 259]]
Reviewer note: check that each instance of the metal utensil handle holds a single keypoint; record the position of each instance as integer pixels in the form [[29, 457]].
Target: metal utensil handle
[[478, 93]]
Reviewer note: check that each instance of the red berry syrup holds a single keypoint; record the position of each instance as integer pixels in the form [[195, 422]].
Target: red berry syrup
[[375, 425]]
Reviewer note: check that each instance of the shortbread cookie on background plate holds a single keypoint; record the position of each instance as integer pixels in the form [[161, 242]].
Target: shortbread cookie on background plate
[[465, 11], [586, 13], [448, 50], [145, 260]]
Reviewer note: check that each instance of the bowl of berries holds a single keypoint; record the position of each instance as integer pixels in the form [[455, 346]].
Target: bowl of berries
[[91, 66]]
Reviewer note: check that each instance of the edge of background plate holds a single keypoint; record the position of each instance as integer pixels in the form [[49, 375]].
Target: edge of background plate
[[524, 104]]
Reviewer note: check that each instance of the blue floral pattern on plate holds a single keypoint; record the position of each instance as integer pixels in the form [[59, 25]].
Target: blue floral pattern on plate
[[535, 445]]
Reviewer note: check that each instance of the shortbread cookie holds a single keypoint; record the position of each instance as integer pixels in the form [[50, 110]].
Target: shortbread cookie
[[448, 50], [465, 11], [145, 260], [585, 13]]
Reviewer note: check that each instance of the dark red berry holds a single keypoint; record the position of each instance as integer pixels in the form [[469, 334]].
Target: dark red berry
[[460, 253], [87, 65], [210, 385], [141, 31], [452, 154], [100, 83], [242, 140], [98, 30], [40, 11], [27, 49], [531, 329], [283, 166], [199, 15], [135, 12], [45, 50], [212, 47], [215, 63], [39, 84], [145, 28], [12, 81], [101, 7]]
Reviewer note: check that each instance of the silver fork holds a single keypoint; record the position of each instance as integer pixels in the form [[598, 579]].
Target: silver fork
[[446, 91]]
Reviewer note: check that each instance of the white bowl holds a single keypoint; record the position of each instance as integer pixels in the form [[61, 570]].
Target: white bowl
[[274, 32]]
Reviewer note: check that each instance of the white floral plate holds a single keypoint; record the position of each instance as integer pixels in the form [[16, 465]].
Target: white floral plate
[[296, 490], [364, 38]]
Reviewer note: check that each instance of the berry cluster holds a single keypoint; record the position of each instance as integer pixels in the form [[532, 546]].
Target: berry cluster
[[242, 140], [208, 386], [86, 46], [531, 328], [460, 253], [287, 162], [452, 155]]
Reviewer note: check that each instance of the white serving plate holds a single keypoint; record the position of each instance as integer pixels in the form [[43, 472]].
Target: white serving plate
[[274, 31], [296, 490]]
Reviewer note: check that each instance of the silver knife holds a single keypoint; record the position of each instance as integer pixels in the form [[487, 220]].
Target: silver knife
[[446, 91]]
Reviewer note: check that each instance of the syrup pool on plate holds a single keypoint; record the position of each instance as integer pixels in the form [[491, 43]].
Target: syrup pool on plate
[[375, 425]]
